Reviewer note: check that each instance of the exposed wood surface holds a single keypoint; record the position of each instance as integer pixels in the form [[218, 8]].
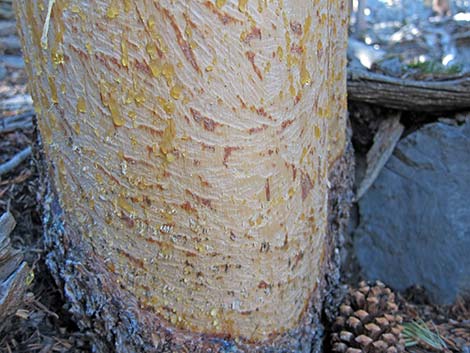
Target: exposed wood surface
[[202, 223], [385, 140], [407, 94]]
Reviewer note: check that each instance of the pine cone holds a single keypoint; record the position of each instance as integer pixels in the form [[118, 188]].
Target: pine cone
[[368, 321]]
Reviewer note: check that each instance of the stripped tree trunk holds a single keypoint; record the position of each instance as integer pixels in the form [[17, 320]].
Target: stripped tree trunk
[[188, 146]]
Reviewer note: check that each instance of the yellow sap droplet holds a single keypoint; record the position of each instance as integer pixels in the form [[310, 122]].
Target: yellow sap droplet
[[104, 93], [175, 92], [168, 72], [170, 157], [139, 98], [127, 5], [168, 107], [132, 115], [54, 97], [168, 136], [127, 99], [124, 52], [76, 128], [155, 68], [188, 31], [290, 60], [46, 131], [220, 3], [319, 45], [81, 105], [209, 68], [280, 52], [155, 148], [317, 132], [267, 68], [88, 47], [291, 192], [288, 40], [292, 90], [126, 206], [305, 78], [151, 22], [307, 25], [151, 49], [133, 140], [57, 58], [52, 120], [118, 120], [242, 5], [112, 11], [304, 153]]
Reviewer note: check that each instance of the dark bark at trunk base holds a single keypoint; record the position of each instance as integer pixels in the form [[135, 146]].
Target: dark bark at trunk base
[[116, 322]]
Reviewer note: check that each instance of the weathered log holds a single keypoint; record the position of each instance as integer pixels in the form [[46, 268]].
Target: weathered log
[[407, 94]]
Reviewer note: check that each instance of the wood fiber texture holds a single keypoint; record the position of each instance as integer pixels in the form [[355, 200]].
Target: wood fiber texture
[[188, 147]]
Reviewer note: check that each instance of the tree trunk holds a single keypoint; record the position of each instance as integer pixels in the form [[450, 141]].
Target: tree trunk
[[188, 146]]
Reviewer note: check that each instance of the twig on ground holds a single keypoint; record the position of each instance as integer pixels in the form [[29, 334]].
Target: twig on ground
[[15, 161], [16, 122]]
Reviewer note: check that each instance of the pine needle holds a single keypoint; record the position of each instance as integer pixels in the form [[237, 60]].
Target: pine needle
[[417, 332]]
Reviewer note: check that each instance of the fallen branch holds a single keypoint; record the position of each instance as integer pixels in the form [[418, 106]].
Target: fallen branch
[[411, 95], [15, 161], [20, 102], [16, 122]]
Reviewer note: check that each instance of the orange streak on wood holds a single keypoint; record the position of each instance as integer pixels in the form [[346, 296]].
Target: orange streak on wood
[[207, 123], [201, 200], [222, 16], [251, 57], [183, 44]]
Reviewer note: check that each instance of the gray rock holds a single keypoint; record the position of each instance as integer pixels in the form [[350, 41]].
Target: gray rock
[[7, 28], [415, 220], [3, 72]]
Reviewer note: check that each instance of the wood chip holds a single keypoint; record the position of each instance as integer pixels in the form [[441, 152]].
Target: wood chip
[[385, 140], [13, 270]]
